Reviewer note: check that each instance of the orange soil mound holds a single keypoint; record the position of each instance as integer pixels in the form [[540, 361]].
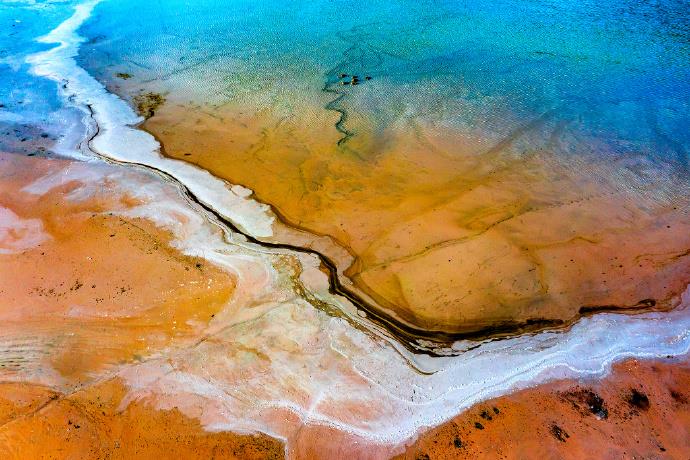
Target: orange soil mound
[[642, 410], [96, 423]]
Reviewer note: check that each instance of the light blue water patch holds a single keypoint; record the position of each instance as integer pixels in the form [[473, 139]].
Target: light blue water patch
[[31, 112], [616, 71]]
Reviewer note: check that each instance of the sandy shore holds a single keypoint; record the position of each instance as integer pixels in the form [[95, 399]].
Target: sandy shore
[[92, 287], [113, 331]]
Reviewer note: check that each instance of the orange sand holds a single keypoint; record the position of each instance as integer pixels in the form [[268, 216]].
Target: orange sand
[[38, 423], [642, 410], [448, 232], [100, 290]]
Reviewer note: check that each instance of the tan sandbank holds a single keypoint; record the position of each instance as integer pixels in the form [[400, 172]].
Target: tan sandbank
[[447, 231]]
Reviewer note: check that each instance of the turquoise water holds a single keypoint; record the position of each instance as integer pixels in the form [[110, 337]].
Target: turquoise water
[[616, 72]]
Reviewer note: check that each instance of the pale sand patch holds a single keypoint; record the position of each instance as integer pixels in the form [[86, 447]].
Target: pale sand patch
[[17, 234]]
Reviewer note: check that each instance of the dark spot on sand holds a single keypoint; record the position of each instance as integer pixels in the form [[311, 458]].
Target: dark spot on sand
[[478, 426], [587, 401], [638, 399], [559, 433], [457, 443], [148, 103], [123, 75], [485, 415], [678, 396]]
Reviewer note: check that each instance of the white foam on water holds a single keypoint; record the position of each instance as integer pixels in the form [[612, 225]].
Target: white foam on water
[[291, 358], [118, 138]]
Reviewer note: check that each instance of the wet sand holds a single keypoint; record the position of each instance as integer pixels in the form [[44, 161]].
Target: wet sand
[[641, 410], [449, 232]]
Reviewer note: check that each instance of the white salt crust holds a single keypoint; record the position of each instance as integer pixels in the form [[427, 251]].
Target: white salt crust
[[17, 234], [119, 140], [273, 362]]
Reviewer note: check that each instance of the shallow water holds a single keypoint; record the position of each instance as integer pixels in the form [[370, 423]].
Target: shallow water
[[507, 162]]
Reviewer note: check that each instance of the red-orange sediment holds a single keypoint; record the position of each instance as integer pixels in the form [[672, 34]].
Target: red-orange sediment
[[92, 424], [103, 290], [641, 410]]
